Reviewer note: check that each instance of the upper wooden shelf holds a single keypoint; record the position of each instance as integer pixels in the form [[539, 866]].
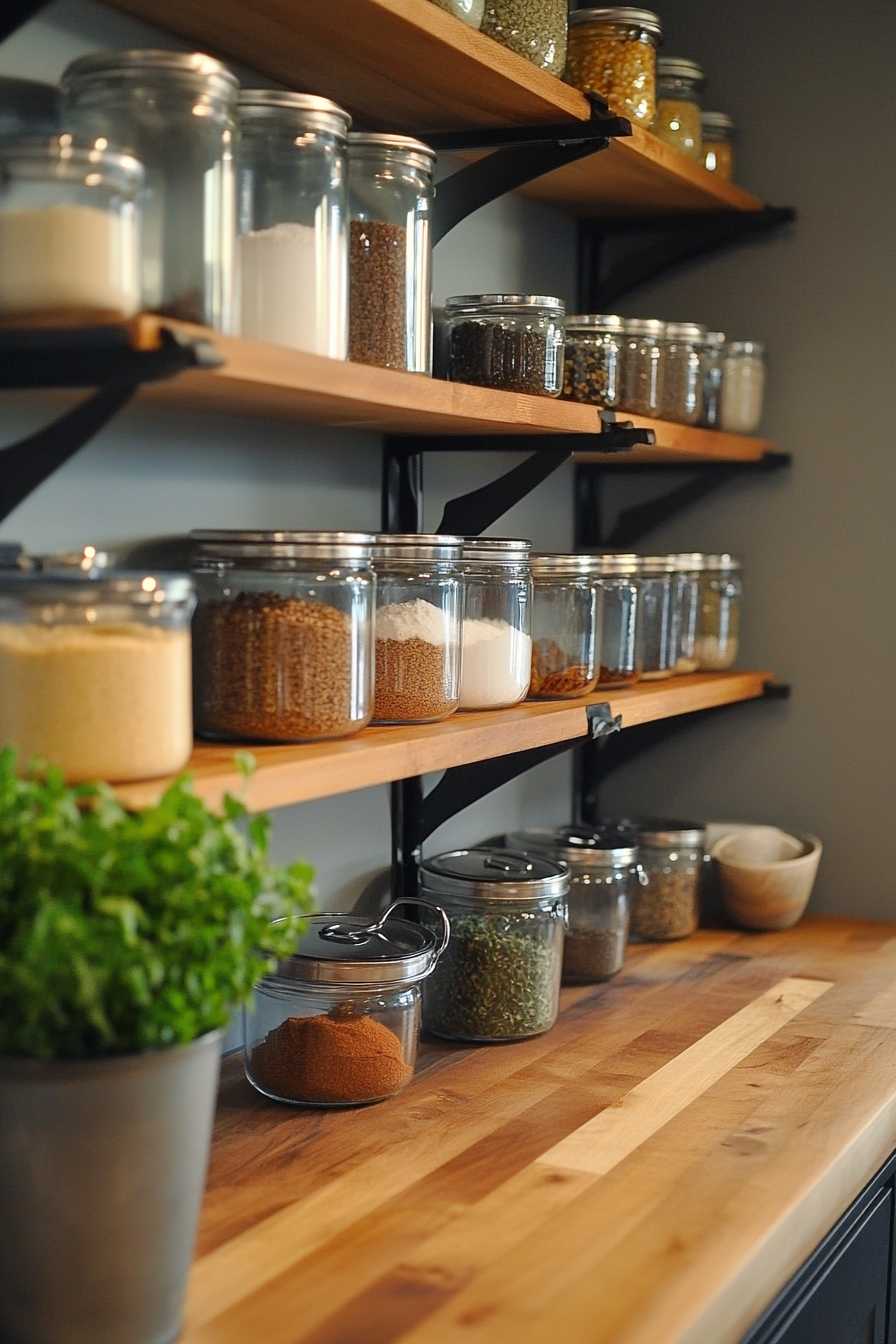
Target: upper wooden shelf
[[298, 774]]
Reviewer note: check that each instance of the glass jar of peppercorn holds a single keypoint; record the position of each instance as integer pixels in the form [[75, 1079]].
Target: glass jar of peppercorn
[[509, 341]]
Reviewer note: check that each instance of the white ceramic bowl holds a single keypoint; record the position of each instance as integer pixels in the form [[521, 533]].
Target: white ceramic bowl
[[766, 876]]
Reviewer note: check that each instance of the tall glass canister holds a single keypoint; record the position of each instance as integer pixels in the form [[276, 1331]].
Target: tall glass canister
[[390, 252], [176, 113], [293, 221], [496, 656]]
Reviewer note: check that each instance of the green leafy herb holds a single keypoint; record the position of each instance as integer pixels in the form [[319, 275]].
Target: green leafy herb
[[122, 932]]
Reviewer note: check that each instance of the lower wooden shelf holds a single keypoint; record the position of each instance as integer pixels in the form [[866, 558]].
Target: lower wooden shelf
[[299, 774]]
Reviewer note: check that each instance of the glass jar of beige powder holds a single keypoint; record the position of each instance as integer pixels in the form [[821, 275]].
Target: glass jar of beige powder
[[95, 672]]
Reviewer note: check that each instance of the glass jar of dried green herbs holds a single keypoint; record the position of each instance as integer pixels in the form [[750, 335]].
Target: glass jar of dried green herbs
[[499, 977]]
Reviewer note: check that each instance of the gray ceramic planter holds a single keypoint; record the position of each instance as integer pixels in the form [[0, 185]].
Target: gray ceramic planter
[[102, 1167]]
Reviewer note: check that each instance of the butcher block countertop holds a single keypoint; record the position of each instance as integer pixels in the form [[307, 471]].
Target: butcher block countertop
[[651, 1171]]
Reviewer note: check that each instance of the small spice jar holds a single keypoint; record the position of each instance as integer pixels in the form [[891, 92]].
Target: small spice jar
[[293, 221], [511, 341], [603, 870], [283, 635], [337, 1023], [711, 351], [536, 29], [418, 621], [621, 640], [390, 252], [592, 359], [468, 11], [689, 566], [612, 52], [721, 596], [659, 616], [567, 606], [743, 386], [95, 671], [679, 83], [643, 366], [496, 658], [69, 236], [719, 135], [683, 373], [175, 112], [667, 905], [499, 977]]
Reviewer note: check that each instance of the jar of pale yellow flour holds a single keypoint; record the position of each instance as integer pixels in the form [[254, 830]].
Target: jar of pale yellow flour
[[95, 672]]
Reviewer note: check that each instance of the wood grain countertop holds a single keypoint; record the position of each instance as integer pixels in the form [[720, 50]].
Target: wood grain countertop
[[652, 1171]]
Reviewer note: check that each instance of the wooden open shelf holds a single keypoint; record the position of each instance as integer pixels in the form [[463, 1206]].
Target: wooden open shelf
[[298, 774]]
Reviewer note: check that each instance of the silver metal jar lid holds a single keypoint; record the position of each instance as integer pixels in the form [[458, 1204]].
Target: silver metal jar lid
[[716, 121], [350, 950], [634, 18], [493, 874], [644, 326], [661, 832], [685, 331], [500, 550], [318, 113], [615, 564], [548, 566], [745, 348], [723, 562], [678, 67], [238, 544], [420, 155], [91, 589], [192, 65], [605, 847], [462, 302], [595, 321], [417, 546]]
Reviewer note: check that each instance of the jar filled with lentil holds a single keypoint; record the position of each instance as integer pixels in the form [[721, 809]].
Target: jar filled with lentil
[[390, 252], [683, 373], [711, 353], [418, 621], [659, 623], [337, 1023], [621, 641], [643, 366], [535, 29], [719, 134], [592, 359], [677, 123], [671, 856], [689, 567], [510, 341], [743, 386], [718, 629], [496, 657], [283, 635], [612, 52], [567, 606], [499, 977]]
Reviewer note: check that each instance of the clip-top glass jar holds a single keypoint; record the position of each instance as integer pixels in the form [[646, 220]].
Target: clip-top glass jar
[[95, 671], [536, 29], [499, 977], [643, 365], [511, 341], [293, 221], [711, 349], [719, 134], [175, 112], [678, 105], [612, 52], [683, 373], [390, 252], [743, 386], [567, 606], [721, 594], [621, 640], [667, 905], [659, 622], [496, 661], [337, 1023], [418, 623], [592, 359], [283, 634]]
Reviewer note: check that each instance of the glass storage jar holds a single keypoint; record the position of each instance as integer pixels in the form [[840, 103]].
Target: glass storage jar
[[711, 350], [721, 595], [667, 905], [689, 570], [643, 365], [95, 672], [496, 657], [418, 621], [621, 643], [567, 606], [683, 373], [337, 1023], [719, 134], [659, 626], [743, 386], [469, 11], [603, 869], [499, 977], [511, 341], [390, 252], [283, 634], [28, 109], [592, 359], [612, 52], [69, 237], [535, 29], [292, 178], [175, 112], [678, 105]]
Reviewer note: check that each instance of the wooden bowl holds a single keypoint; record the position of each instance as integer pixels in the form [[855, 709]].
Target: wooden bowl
[[766, 877]]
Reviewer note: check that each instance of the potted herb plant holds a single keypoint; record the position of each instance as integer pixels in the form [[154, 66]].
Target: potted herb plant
[[126, 939]]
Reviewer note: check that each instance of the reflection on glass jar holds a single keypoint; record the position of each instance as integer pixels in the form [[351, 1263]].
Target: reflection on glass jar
[[678, 105], [671, 855], [719, 134], [612, 52], [567, 606], [593, 359], [496, 661], [643, 366], [721, 594]]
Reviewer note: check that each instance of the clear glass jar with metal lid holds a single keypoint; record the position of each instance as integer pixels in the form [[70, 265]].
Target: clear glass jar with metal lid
[[283, 634], [719, 136], [678, 87], [293, 221], [499, 977], [743, 386], [337, 1023], [536, 29], [689, 570], [468, 11], [510, 341], [643, 366], [593, 358], [496, 658], [612, 52], [419, 599], [175, 112], [683, 373], [621, 641], [603, 871], [95, 671], [567, 606], [28, 109], [659, 617], [711, 351], [671, 856], [721, 597], [390, 251]]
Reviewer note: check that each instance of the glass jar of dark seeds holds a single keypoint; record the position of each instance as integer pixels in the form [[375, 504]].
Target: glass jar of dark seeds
[[509, 341], [591, 369], [671, 855], [499, 977]]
